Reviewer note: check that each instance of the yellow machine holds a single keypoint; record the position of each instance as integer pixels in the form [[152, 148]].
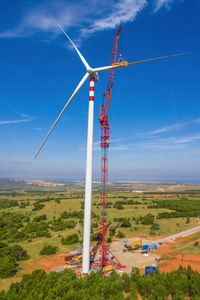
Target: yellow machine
[[108, 268], [77, 258], [135, 246]]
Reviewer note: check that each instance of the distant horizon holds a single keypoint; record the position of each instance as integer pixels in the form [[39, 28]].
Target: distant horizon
[[134, 181]]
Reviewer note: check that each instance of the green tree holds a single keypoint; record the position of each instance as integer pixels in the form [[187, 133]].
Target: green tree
[[187, 220], [148, 219], [8, 266], [16, 251], [126, 223], [3, 245], [37, 206], [40, 218], [155, 226], [119, 206], [48, 250], [70, 239], [120, 235]]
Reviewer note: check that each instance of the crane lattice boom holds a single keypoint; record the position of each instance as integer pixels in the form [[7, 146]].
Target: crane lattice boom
[[105, 107], [104, 125]]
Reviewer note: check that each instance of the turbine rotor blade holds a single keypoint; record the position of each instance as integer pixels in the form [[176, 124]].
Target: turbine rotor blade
[[135, 63], [80, 55], [107, 68], [157, 58], [85, 77]]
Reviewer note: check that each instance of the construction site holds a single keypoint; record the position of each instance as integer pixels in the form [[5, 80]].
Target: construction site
[[120, 256], [145, 254]]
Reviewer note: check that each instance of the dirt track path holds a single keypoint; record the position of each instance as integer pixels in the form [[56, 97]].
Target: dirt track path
[[180, 234]]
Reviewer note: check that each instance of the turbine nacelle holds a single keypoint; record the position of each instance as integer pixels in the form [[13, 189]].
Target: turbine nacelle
[[91, 72], [96, 76]]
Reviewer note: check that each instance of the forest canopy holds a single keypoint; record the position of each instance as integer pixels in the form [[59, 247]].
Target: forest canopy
[[65, 285]]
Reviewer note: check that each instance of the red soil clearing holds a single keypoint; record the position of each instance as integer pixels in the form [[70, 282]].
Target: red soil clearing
[[48, 263], [176, 260]]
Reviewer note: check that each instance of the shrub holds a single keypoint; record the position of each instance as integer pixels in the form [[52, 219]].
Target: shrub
[[65, 215], [109, 240], [37, 206], [126, 223], [187, 220], [155, 226], [16, 251], [7, 203], [48, 250], [33, 230], [118, 206], [148, 219], [8, 266], [59, 224], [70, 239], [40, 218], [2, 245], [95, 237], [120, 235], [152, 233], [111, 231]]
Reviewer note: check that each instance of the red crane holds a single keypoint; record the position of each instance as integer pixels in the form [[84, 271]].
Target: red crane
[[104, 125]]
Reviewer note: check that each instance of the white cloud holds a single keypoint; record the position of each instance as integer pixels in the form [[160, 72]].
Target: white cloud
[[161, 3], [189, 139], [122, 12], [174, 127], [158, 145], [14, 121], [40, 20], [85, 18], [170, 143], [26, 118]]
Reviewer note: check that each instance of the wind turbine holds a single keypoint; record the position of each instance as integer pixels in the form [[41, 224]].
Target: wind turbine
[[93, 74]]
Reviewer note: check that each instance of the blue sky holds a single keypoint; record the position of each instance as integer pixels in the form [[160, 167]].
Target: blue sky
[[155, 107]]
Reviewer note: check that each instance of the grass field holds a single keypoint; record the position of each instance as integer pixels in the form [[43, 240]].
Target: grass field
[[72, 202], [189, 246]]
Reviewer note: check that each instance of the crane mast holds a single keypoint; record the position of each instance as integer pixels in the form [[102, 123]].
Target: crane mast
[[104, 125]]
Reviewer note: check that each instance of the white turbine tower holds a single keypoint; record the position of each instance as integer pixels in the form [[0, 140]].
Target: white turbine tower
[[93, 74]]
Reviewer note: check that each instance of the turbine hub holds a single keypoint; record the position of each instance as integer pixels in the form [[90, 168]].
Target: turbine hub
[[91, 72]]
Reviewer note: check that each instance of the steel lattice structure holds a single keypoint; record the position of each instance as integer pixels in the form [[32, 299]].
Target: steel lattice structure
[[104, 125]]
